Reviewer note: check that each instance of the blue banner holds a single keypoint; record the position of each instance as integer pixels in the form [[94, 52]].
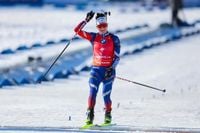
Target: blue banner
[[14, 2]]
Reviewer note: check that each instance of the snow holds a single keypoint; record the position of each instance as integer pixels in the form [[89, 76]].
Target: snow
[[52, 24], [174, 67], [48, 24]]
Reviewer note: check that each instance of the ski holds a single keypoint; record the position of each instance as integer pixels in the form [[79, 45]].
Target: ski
[[107, 124], [98, 126], [87, 126]]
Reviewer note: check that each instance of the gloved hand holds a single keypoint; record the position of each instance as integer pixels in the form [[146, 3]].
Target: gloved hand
[[109, 72], [89, 16]]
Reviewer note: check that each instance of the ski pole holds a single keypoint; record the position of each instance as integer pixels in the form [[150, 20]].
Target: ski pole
[[154, 88], [45, 74]]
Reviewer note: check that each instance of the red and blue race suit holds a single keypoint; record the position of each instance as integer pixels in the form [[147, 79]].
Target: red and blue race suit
[[106, 50]]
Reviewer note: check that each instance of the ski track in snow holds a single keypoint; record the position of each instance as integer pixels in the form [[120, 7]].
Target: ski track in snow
[[110, 129]]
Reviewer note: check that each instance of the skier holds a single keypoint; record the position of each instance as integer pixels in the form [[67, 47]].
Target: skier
[[106, 50], [176, 6]]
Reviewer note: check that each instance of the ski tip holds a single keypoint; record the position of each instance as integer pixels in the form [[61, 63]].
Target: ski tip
[[87, 126], [108, 124]]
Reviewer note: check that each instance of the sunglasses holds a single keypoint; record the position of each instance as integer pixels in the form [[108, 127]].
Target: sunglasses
[[104, 25]]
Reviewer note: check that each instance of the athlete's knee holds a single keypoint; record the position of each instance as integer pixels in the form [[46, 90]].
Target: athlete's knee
[[107, 89], [107, 85], [106, 96], [94, 84]]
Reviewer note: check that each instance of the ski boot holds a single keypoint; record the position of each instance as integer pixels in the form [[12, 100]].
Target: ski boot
[[108, 118], [89, 120], [90, 116]]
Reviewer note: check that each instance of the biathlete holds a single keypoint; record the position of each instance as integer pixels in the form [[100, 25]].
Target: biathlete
[[106, 50]]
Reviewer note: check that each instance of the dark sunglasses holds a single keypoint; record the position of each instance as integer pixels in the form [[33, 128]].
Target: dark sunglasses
[[104, 25]]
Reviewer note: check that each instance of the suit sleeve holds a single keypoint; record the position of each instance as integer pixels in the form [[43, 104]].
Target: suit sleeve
[[116, 51], [82, 33]]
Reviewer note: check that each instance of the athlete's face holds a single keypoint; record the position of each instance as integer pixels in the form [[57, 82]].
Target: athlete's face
[[102, 28]]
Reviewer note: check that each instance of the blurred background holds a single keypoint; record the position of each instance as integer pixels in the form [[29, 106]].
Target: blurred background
[[187, 3]]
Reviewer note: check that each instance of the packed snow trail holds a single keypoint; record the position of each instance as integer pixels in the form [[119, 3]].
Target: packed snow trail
[[113, 129], [174, 66]]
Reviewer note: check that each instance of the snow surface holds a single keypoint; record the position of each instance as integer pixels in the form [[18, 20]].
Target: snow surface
[[174, 67]]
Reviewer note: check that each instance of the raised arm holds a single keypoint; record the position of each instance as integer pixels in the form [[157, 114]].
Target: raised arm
[[79, 27], [82, 33]]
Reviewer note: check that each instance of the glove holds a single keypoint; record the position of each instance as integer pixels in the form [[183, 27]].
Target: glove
[[109, 73], [89, 16]]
